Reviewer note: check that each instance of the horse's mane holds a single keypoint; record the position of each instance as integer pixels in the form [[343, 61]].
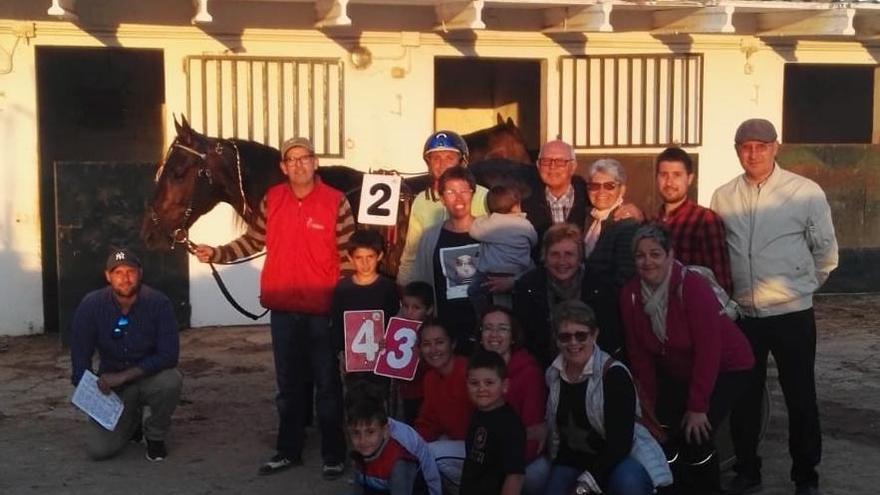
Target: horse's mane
[[260, 171]]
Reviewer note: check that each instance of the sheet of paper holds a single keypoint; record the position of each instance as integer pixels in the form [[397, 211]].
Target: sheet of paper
[[105, 409]]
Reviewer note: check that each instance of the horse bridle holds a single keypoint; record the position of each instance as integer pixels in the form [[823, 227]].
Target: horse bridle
[[180, 235]]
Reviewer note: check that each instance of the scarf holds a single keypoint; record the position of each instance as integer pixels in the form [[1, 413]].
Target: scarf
[[595, 230], [656, 301], [567, 291]]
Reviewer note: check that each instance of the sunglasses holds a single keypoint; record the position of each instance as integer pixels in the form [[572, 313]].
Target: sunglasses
[[565, 337], [119, 331], [608, 186]]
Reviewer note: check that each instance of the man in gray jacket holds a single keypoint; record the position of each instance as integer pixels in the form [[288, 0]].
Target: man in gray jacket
[[782, 249]]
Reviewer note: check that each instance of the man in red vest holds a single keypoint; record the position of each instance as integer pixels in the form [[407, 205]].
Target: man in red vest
[[304, 226]]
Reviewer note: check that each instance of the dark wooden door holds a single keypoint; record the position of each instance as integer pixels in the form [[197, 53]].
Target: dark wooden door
[[99, 206]]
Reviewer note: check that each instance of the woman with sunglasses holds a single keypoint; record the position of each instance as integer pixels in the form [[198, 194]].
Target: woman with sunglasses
[[690, 360], [596, 442], [608, 260], [526, 394]]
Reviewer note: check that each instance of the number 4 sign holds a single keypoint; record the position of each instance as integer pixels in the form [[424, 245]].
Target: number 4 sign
[[363, 331], [400, 357], [380, 195]]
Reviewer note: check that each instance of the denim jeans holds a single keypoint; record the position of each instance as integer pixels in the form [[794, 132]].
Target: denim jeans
[[627, 478], [300, 341]]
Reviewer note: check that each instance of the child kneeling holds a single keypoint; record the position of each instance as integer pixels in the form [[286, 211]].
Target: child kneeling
[[389, 456]]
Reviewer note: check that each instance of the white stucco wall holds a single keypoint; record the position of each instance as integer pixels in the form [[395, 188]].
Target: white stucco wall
[[386, 120]]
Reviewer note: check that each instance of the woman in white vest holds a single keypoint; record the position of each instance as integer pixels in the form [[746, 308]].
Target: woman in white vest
[[597, 443]]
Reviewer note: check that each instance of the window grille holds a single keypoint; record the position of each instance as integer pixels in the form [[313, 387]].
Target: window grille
[[626, 101], [268, 99]]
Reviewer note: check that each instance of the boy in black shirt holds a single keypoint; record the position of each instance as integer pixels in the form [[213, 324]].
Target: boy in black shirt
[[496, 438], [365, 289]]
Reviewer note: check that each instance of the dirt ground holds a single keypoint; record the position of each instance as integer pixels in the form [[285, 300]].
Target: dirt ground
[[225, 424]]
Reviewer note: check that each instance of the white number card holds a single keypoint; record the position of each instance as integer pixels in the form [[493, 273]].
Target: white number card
[[380, 195]]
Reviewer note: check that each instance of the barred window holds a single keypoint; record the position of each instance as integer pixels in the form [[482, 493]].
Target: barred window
[[268, 99], [631, 100]]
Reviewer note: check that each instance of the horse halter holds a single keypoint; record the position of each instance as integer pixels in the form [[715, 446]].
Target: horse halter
[[180, 235]]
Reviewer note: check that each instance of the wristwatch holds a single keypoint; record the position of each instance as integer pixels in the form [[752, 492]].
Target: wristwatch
[[581, 489]]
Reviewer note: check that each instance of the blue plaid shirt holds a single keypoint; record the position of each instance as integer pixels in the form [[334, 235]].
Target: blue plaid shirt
[[149, 340]]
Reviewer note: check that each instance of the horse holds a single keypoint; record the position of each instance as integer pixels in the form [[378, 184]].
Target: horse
[[503, 140], [199, 171]]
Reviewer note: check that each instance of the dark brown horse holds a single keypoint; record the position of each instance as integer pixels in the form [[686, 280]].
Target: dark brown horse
[[503, 140], [201, 171]]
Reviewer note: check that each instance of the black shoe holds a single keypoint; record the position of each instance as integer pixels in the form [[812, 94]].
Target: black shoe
[[156, 450], [742, 484], [278, 463], [332, 471], [807, 490], [138, 435]]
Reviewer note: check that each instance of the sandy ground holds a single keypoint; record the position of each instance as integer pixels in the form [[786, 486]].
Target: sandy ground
[[225, 424]]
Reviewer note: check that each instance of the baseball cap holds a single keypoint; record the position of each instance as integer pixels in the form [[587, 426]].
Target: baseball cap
[[122, 257], [755, 130], [296, 142]]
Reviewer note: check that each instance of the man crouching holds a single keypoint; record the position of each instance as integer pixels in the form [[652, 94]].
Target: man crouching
[[132, 326]]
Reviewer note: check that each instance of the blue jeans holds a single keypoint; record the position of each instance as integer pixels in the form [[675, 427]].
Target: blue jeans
[[300, 341], [627, 478]]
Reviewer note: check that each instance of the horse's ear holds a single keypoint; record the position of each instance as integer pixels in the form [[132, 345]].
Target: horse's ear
[[176, 124], [499, 118], [185, 122], [510, 122]]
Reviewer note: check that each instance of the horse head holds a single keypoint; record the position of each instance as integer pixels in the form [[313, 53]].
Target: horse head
[[503, 140], [198, 172]]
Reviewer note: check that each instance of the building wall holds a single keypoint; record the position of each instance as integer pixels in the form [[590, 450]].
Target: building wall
[[386, 118]]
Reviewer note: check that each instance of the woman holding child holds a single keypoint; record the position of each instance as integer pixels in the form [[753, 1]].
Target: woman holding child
[[690, 360], [596, 441], [526, 394], [446, 254]]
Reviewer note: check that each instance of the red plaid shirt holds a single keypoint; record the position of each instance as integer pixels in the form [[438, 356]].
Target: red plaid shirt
[[698, 238]]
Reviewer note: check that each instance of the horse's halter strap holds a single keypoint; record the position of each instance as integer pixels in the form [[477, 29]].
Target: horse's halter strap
[[180, 235]]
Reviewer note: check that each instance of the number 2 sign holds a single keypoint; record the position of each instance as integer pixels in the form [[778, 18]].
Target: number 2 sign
[[380, 196], [363, 331], [400, 357]]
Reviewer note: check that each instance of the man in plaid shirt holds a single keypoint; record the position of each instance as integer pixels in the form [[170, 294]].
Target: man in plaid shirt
[[698, 235]]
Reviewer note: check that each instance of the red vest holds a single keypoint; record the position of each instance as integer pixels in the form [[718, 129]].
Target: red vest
[[302, 259]]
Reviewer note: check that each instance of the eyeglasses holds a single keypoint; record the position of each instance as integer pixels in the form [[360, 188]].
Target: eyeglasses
[[608, 186], [449, 193], [303, 160], [565, 337], [119, 331], [553, 162], [496, 328], [756, 148]]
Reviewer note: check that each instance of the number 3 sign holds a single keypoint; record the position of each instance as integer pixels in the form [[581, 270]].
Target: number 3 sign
[[380, 195], [363, 331], [400, 357]]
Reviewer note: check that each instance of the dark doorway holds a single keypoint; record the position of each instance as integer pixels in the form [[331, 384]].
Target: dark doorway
[[828, 103], [469, 94], [96, 105]]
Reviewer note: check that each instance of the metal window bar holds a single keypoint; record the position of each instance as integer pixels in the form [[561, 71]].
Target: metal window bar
[[268, 99], [662, 96]]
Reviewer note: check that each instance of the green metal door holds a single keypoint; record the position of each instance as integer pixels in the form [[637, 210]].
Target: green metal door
[[98, 206]]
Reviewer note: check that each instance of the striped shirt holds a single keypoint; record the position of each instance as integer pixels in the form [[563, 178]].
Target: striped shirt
[[698, 238], [254, 239]]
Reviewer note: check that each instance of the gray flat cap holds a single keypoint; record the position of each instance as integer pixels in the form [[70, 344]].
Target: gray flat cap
[[755, 130]]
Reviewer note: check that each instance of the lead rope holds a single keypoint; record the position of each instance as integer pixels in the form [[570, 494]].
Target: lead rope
[[191, 247]]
